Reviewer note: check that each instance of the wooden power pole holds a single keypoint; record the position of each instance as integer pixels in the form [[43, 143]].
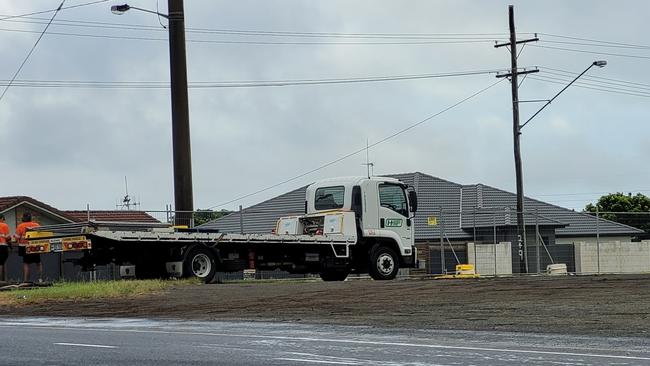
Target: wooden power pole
[[516, 131]]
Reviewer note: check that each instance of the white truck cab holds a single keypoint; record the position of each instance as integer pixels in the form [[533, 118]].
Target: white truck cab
[[384, 209]]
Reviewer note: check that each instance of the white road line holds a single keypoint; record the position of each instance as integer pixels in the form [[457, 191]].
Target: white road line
[[84, 345], [317, 361], [330, 340]]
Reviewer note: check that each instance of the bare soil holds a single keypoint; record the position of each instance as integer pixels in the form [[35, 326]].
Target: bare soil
[[598, 305]]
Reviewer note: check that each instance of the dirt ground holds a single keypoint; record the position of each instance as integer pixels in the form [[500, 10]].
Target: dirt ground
[[598, 305]]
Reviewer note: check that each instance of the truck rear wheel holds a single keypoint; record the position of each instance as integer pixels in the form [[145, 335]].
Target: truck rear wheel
[[200, 263], [332, 275], [384, 263]]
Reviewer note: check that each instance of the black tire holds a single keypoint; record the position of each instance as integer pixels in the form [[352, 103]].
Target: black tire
[[200, 263], [332, 275], [384, 263]]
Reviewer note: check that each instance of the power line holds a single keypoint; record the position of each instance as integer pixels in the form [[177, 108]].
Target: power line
[[266, 33], [600, 83], [359, 150], [51, 10], [292, 43], [592, 52], [30, 52], [236, 84], [615, 81], [598, 45], [587, 86], [614, 43]]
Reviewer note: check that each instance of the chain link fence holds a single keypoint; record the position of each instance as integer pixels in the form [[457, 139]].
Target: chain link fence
[[575, 242]]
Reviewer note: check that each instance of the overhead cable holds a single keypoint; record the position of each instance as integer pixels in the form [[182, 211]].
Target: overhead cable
[[51, 10], [235, 84], [361, 149], [22, 64]]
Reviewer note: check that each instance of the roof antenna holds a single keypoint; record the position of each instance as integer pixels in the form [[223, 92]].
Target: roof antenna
[[126, 201], [369, 166]]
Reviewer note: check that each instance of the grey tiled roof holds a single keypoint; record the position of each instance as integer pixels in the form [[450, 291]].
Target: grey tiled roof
[[261, 218], [456, 201]]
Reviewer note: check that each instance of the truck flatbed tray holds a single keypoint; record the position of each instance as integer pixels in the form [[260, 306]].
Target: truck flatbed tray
[[161, 236]]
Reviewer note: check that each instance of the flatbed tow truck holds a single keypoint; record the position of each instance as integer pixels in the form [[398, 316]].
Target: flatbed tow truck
[[350, 225]]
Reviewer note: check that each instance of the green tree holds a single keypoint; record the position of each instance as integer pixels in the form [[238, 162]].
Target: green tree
[[624, 208], [203, 216]]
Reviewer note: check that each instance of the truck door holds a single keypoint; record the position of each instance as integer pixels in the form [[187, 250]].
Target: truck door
[[394, 213]]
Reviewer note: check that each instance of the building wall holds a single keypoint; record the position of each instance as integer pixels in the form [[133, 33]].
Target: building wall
[[490, 259], [613, 257]]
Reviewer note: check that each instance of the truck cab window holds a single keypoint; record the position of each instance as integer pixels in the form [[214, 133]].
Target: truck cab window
[[329, 198], [392, 197]]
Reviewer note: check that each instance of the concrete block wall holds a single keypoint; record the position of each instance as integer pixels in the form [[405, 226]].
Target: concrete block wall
[[483, 257], [612, 257]]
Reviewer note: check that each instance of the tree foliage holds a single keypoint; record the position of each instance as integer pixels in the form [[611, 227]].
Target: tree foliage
[[203, 216], [624, 208]]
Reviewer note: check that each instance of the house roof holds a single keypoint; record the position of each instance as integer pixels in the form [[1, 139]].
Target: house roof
[[9, 202], [111, 215], [459, 207], [262, 217]]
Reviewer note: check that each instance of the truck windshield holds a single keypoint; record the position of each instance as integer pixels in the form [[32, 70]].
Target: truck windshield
[[392, 197], [329, 198]]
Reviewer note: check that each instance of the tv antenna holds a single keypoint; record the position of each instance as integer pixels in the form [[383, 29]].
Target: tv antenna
[[127, 201], [369, 166]]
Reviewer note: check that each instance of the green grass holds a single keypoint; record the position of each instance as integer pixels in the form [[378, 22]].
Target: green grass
[[88, 290]]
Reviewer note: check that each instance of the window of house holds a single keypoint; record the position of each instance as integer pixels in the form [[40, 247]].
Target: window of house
[[329, 198], [392, 197]]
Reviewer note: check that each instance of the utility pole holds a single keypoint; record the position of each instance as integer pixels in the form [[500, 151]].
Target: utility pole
[[516, 131], [183, 198]]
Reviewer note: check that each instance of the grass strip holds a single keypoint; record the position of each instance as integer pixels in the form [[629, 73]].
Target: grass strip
[[61, 291]]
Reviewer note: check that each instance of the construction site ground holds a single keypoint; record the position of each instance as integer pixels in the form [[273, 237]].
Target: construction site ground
[[606, 305]]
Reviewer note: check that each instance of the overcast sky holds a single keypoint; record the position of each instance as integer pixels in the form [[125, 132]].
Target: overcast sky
[[71, 146]]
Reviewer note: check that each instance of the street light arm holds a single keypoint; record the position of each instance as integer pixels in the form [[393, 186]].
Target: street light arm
[[121, 9], [595, 63], [151, 11]]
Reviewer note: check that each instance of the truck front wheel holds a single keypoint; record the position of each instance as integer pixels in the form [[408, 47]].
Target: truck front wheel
[[384, 263], [200, 263]]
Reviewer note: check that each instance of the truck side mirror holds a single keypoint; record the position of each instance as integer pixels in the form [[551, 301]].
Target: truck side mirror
[[413, 201]]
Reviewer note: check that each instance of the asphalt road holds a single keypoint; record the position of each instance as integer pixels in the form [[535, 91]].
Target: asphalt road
[[68, 341]]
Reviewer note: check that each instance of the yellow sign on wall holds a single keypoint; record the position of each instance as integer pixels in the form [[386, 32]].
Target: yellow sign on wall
[[432, 221]]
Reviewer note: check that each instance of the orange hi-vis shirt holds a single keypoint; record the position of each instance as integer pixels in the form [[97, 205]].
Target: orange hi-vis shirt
[[4, 233], [22, 229]]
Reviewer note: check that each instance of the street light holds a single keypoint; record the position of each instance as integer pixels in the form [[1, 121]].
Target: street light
[[518, 168], [599, 63], [182, 153], [121, 9]]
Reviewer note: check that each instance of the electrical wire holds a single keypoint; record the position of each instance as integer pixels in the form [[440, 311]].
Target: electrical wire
[[603, 83], [591, 52], [235, 84], [597, 45], [615, 81], [13, 78], [590, 86], [240, 32], [132, 38], [52, 10], [361, 149], [591, 40]]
